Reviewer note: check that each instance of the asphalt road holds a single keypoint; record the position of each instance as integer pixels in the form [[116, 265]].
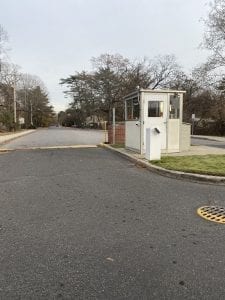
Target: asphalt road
[[88, 224], [208, 142], [54, 136]]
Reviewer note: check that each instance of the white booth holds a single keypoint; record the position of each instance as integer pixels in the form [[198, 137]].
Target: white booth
[[160, 111]]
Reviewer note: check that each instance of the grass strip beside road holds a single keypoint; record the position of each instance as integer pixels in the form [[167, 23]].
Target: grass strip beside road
[[199, 164], [117, 145]]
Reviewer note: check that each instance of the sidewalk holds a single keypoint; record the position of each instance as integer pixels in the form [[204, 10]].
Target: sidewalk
[[194, 150], [210, 138], [199, 150], [139, 159], [5, 137]]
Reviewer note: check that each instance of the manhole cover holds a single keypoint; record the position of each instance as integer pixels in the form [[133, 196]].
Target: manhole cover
[[212, 213]]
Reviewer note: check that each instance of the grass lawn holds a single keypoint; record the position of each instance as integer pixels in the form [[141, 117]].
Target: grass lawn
[[201, 164], [117, 145]]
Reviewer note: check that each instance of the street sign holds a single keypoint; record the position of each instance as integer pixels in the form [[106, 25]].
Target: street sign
[[193, 116]]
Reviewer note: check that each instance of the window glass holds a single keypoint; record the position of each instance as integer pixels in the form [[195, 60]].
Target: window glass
[[155, 109], [129, 110], [174, 107], [136, 109], [133, 109]]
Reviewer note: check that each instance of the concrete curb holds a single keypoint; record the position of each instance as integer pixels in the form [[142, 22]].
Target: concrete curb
[[48, 148], [7, 138], [207, 179]]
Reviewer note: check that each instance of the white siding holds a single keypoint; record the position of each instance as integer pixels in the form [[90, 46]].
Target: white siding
[[185, 137], [173, 135], [158, 121], [132, 135]]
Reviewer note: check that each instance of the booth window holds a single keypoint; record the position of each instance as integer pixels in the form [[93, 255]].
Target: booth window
[[174, 107], [155, 109], [129, 110], [132, 109]]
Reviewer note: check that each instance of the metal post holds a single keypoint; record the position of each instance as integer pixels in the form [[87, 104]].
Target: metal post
[[141, 118], [105, 131], [193, 123], [31, 113], [167, 122], [114, 125], [14, 102]]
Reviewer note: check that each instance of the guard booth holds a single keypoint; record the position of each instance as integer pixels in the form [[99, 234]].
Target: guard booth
[[158, 109]]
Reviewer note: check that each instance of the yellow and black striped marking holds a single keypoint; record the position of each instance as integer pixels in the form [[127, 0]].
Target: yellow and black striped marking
[[212, 213]]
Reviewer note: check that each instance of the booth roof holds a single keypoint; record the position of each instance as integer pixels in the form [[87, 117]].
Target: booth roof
[[134, 93]]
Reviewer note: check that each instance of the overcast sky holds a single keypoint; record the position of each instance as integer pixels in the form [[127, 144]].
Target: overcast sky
[[55, 38]]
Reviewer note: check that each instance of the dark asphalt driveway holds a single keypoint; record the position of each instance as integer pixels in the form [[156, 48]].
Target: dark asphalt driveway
[[88, 224], [53, 137], [208, 142]]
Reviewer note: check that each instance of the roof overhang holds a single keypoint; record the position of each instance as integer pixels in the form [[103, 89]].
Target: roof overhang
[[150, 91]]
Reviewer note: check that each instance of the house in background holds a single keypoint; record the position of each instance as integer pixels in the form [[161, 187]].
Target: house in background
[[162, 109]]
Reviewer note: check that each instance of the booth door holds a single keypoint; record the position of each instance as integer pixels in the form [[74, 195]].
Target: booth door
[[155, 115]]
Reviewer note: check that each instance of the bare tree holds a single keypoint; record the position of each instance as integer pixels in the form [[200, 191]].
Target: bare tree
[[10, 73], [3, 45], [113, 77], [163, 69], [214, 37]]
